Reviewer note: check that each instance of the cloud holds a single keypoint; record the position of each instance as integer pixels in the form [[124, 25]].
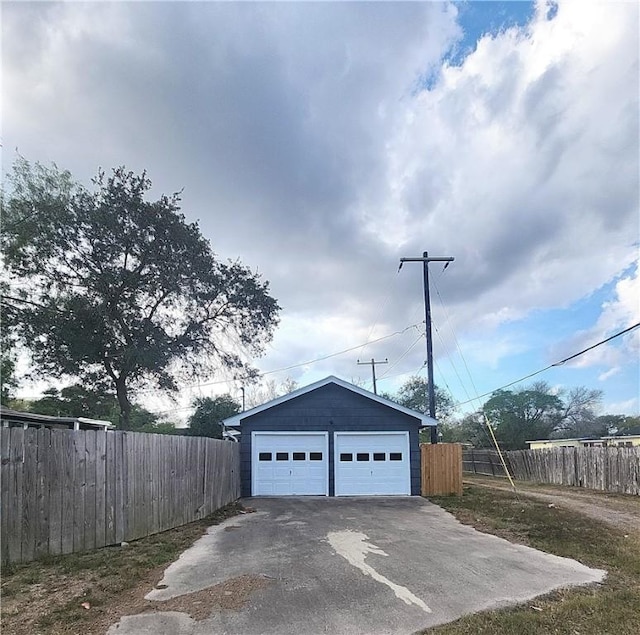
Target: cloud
[[629, 406], [620, 313], [308, 145]]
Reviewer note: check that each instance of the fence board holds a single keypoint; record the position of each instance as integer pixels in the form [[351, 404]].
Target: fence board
[[153, 485], [101, 490], [66, 491], [110, 500], [5, 493], [79, 487], [163, 483], [43, 439], [13, 507], [121, 488], [612, 469], [90, 490], [29, 493], [67, 452], [54, 481]]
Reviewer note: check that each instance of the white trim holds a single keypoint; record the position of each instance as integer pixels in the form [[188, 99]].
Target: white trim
[[236, 420], [336, 434], [254, 457]]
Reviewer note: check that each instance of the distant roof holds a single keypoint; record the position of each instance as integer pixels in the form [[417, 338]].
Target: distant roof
[[236, 419], [7, 414], [607, 438]]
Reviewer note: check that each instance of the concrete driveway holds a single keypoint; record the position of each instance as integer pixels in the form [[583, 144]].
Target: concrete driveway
[[345, 566]]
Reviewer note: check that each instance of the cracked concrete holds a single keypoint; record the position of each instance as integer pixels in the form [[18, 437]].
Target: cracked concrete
[[306, 547]]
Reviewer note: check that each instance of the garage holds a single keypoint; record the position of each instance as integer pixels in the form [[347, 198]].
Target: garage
[[329, 438], [290, 463], [372, 464]]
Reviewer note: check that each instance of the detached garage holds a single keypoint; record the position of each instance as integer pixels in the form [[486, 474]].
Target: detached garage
[[329, 439]]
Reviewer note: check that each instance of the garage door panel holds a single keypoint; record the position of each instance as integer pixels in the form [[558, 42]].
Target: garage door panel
[[288, 464], [372, 464]]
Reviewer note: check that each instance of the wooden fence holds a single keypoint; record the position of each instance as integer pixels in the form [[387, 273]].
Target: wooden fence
[[65, 491], [611, 469], [482, 462], [441, 469]]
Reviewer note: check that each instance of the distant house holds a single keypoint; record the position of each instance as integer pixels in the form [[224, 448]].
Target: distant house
[[627, 441], [14, 418]]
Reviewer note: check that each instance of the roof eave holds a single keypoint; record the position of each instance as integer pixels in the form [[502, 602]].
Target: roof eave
[[235, 421]]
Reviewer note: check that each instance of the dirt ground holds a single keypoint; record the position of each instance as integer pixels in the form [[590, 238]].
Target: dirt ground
[[618, 510], [229, 595], [84, 594]]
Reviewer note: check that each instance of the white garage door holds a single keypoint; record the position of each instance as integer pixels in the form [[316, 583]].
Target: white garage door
[[372, 463], [290, 463]]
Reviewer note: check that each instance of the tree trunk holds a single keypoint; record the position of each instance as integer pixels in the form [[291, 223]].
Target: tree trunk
[[124, 418]]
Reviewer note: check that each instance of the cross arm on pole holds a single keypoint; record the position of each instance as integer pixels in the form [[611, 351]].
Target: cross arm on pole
[[373, 363], [425, 260], [429, 259]]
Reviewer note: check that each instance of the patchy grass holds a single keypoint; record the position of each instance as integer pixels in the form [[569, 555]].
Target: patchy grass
[[47, 596], [621, 510], [610, 607]]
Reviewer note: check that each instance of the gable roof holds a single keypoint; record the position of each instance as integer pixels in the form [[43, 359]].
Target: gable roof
[[236, 419]]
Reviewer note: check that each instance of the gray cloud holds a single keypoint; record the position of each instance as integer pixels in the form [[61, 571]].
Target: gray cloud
[[307, 146]]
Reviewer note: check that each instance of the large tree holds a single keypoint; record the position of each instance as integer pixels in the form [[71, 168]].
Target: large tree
[[269, 389], [106, 284], [209, 413], [8, 377], [621, 424], [414, 394], [523, 415], [95, 403], [78, 401], [471, 428], [579, 417]]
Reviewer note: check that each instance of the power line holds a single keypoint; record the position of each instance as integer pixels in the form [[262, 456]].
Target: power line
[[455, 340], [292, 366], [453, 366], [559, 363], [444, 380], [381, 312], [399, 359]]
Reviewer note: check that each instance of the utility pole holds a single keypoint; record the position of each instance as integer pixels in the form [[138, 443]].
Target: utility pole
[[373, 370], [425, 260], [242, 389]]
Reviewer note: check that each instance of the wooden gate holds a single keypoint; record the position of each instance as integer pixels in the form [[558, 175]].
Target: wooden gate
[[441, 467]]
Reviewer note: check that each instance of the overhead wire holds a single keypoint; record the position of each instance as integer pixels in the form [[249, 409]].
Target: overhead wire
[[492, 437], [285, 368], [399, 359], [455, 339], [530, 375], [453, 366], [555, 364], [382, 310], [418, 310]]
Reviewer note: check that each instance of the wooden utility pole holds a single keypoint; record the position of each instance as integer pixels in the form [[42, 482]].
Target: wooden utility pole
[[425, 260], [373, 363]]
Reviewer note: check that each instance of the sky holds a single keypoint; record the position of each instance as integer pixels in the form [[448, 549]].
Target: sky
[[321, 142]]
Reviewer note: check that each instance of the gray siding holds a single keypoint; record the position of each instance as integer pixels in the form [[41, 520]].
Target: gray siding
[[329, 408]]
